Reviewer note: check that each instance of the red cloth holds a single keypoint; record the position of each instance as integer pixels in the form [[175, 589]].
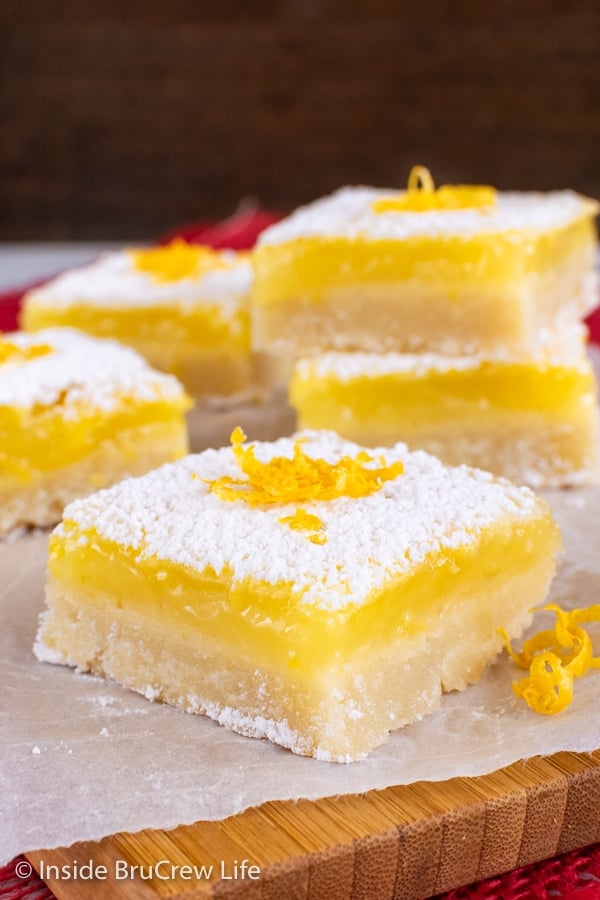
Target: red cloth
[[237, 233], [10, 302], [593, 323]]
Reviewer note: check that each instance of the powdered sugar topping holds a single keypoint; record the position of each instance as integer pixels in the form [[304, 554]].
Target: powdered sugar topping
[[81, 371], [348, 213], [169, 515], [350, 366], [114, 282]]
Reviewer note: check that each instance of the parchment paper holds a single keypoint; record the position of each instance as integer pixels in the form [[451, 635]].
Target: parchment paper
[[81, 758]]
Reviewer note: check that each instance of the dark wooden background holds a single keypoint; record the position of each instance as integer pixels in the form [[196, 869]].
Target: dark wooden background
[[122, 119]]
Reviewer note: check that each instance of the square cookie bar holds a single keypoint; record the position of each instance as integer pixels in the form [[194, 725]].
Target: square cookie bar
[[456, 271], [184, 307], [305, 590], [534, 421], [77, 414]]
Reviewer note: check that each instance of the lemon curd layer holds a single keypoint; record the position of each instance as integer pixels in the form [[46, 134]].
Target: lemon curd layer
[[533, 421], [185, 308], [79, 416], [252, 620], [341, 275], [206, 590], [46, 438]]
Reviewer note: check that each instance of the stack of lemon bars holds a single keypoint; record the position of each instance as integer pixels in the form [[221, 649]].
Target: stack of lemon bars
[[449, 319], [324, 589]]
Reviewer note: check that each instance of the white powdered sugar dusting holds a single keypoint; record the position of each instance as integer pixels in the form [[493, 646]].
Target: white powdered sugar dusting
[[80, 370], [350, 366], [170, 515], [349, 213], [113, 281]]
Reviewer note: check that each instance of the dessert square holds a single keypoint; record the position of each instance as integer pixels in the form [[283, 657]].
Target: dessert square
[[306, 591], [533, 421], [455, 271], [184, 307], [77, 414]]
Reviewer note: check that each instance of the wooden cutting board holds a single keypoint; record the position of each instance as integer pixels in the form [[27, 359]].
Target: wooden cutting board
[[407, 842]]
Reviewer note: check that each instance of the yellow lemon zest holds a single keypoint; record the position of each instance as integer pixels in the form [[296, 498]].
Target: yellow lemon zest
[[549, 687], [555, 657], [177, 260], [10, 352], [422, 196], [305, 521], [299, 479]]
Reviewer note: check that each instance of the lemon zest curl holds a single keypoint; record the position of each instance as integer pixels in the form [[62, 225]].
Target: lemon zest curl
[[299, 479], [423, 196], [555, 658]]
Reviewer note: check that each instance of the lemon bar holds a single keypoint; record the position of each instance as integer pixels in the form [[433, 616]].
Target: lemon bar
[[184, 307], [534, 421], [77, 414], [306, 590], [458, 270]]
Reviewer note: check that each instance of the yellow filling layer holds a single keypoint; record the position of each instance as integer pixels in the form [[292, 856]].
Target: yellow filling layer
[[410, 399], [268, 625], [307, 267], [43, 439], [166, 331]]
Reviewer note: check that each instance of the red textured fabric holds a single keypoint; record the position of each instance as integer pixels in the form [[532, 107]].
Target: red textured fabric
[[575, 874], [237, 233], [593, 323], [10, 302], [17, 884]]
